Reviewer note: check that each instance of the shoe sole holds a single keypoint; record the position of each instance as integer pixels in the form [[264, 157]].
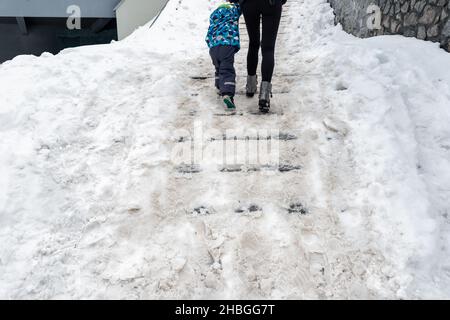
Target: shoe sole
[[230, 106], [263, 107]]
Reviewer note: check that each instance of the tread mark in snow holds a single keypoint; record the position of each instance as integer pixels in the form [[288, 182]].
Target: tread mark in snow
[[289, 167], [231, 169], [250, 209], [188, 168], [202, 211], [297, 208]]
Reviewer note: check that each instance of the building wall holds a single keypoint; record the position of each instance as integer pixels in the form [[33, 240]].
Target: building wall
[[57, 8], [423, 19], [132, 14], [14, 42], [48, 35]]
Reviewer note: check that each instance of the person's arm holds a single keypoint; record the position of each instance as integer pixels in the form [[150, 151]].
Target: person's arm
[[237, 11], [273, 2]]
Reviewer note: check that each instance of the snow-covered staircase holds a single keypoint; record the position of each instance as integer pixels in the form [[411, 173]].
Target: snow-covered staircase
[[122, 177], [263, 227]]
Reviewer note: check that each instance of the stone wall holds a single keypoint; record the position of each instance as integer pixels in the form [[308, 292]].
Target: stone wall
[[423, 19]]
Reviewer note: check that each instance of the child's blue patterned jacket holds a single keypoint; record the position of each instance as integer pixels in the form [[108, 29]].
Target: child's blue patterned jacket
[[224, 26]]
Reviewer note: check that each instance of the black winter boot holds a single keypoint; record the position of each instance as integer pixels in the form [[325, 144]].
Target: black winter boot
[[252, 86], [264, 97]]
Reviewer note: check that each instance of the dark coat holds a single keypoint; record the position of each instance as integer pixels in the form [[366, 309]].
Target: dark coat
[[224, 26], [273, 1]]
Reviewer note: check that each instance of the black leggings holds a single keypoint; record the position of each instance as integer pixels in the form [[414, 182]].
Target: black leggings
[[271, 15]]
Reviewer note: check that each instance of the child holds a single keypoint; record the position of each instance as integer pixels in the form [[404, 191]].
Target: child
[[223, 41]]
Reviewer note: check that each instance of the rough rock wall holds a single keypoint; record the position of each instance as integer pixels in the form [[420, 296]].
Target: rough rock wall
[[423, 19]]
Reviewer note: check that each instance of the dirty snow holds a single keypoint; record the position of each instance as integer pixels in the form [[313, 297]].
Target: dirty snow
[[92, 204]]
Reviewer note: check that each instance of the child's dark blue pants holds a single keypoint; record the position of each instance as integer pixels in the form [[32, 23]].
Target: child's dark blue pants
[[223, 59]]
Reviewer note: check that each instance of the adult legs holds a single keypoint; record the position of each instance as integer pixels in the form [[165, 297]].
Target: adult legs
[[252, 15], [271, 17]]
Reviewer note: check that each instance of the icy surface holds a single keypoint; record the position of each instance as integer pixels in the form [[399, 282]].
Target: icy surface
[[92, 205]]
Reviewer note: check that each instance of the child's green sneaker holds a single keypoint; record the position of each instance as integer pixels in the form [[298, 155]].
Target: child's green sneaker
[[229, 103]]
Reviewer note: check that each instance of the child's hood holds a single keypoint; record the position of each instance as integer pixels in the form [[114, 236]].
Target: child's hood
[[229, 5]]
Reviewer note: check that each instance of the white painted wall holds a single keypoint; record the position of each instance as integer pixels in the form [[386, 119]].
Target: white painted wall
[[132, 14]]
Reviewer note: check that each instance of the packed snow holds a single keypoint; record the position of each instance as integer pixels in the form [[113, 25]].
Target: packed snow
[[93, 204]]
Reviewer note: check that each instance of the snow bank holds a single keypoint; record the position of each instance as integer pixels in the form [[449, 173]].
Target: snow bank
[[81, 140], [393, 94]]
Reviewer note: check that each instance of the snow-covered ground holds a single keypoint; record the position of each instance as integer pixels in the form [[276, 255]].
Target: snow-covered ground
[[94, 205]]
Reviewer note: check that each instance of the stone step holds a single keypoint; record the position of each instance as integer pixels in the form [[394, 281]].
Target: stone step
[[274, 92], [282, 168], [282, 136], [243, 93], [272, 112], [279, 75], [239, 113], [296, 208]]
